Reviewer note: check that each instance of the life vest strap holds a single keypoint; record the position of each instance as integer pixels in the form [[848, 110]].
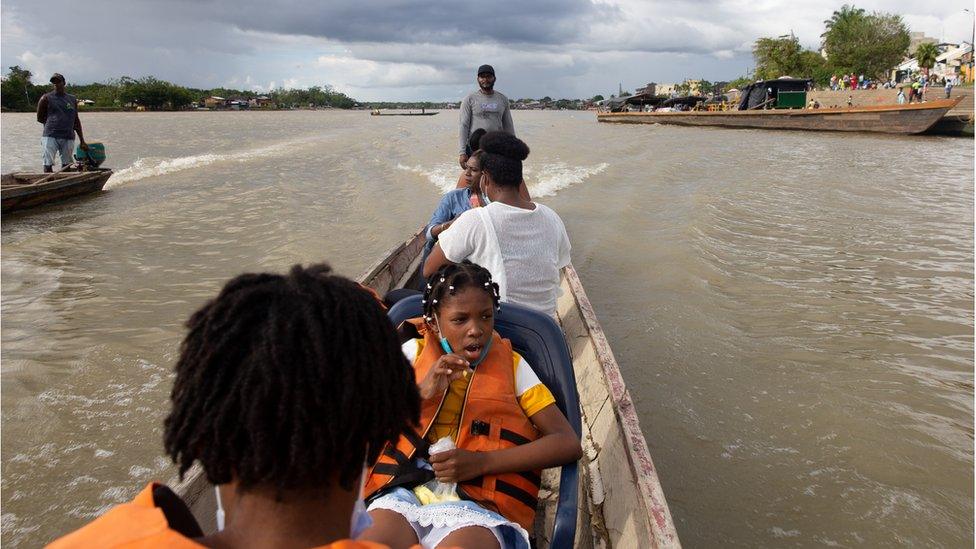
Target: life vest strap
[[422, 447], [393, 452], [513, 437], [515, 492]]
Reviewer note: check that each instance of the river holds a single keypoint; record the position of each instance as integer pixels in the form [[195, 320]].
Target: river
[[793, 312]]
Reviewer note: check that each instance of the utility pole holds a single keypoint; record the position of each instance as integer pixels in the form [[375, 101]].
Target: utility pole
[[972, 46]]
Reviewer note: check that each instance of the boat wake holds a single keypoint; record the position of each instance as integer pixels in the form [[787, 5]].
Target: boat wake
[[544, 180], [552, 178], [152, 167]]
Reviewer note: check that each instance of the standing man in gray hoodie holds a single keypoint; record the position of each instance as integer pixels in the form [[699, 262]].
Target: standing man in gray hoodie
[[485, 108]]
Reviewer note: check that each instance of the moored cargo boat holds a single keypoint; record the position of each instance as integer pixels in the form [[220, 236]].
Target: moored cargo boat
[[900, 119], [27, 190], [619, 501]]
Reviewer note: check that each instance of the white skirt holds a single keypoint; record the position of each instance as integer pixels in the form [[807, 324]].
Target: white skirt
[[432, 523]]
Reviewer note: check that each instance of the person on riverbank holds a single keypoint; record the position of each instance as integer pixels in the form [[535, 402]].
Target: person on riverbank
[[948, 87], [916, 95], [524, 244], [58, 111], [484, 108], [275, 396], [901, 96], [488, 484]]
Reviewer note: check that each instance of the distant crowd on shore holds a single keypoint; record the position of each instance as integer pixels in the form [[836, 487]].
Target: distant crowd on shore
[[918, 86]]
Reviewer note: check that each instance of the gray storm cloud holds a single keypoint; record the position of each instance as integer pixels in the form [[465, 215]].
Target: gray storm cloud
[[398, 49]]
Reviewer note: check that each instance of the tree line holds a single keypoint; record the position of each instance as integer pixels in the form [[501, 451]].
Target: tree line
[[18, 93], [853, 41]]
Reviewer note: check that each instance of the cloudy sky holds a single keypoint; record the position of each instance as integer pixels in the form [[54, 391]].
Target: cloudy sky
[[411, 50]]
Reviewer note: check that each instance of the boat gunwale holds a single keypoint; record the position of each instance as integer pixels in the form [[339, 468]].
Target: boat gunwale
[[75, 179], [937, 104], [638, 453]]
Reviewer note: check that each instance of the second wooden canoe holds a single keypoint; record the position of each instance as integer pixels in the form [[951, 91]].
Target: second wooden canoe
[[26, 190]]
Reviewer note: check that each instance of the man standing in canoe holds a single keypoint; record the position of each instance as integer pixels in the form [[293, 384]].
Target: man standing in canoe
[[58, 111], [485, 108]]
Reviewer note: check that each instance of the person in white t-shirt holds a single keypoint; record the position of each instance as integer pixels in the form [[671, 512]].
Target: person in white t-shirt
[[522, 243]]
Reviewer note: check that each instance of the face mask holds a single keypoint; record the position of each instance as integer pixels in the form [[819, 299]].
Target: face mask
[[360, 521], [446, 345], [220, 510], [484, 195]]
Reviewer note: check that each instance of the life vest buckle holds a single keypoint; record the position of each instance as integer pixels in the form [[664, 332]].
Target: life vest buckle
[[479, 428]]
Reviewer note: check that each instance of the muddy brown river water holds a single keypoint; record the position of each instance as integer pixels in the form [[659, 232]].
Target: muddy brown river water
[[793, 312]]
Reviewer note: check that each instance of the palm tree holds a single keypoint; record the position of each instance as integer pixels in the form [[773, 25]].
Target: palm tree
[[845, 13], [925, 54]]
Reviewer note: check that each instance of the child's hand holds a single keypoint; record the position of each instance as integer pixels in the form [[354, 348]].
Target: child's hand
[[441, 374], [457, 465]]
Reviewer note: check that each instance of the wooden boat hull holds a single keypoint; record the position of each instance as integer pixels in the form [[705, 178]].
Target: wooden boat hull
[[26, 190], [621, 503], [898, 119]]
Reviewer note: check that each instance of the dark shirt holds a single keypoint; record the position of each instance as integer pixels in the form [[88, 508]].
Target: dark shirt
[[61, 113]]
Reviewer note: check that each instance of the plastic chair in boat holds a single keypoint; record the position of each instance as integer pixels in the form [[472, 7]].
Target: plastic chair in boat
[[540, 341]]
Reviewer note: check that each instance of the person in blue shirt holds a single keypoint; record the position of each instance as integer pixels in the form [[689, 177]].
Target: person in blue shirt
[[456, 202]]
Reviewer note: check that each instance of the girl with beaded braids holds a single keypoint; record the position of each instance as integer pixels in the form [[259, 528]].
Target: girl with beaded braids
[[286, 386], [481, 394], [524, 244]]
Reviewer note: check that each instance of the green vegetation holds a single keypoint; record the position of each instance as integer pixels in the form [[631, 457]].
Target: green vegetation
[[926, 54], [739, 83], [18, 93], [854, 41], [869, 44], [784, 56]]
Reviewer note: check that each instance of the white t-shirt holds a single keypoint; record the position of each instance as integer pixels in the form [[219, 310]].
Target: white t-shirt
[[532, 247]]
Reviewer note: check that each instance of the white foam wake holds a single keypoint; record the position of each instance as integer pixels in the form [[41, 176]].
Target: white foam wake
[[443, 176], [545, 180], [549, 179], [152, 167]]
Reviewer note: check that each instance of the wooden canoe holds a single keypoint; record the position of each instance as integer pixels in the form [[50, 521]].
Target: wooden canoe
[[26, 190], [403, 113], [903, 119], [621, 503]]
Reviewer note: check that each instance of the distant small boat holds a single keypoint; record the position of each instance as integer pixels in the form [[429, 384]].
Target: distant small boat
[[25, 190], [378, 113]]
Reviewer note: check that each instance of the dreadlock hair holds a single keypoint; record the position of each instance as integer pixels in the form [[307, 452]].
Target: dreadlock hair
[[474, 142], [289, 380], [503, 158], [454, 277]]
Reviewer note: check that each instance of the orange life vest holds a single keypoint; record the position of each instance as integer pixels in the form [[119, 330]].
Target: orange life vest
[[141, 524], [491, 419]]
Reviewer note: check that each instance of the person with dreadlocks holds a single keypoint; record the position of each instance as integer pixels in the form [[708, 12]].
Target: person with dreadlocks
[[477, 391], [275, 396], [524, 244]]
